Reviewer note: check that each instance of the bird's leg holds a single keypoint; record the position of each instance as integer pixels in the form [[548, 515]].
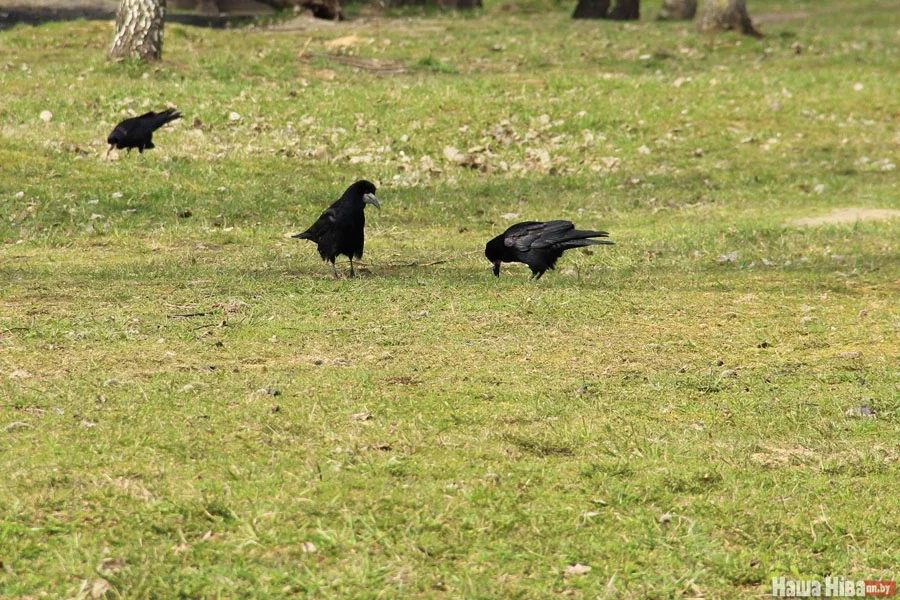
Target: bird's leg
[[334, 268], [352, 274], [537, 275], [129, 151]]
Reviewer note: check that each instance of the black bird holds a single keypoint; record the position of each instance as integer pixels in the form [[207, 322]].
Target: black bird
[[340, 229], [137, 132], [538, 245]]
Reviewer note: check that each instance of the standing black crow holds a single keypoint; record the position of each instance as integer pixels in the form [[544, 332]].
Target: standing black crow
[[538, 245], [340, 229], [137, 132]]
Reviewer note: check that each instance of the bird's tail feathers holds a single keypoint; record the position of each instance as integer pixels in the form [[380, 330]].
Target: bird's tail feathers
[[584, 242], [583, 233], [577, 239], [161, 118]]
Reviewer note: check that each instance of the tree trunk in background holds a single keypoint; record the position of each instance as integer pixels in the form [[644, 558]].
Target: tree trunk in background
[[321, 9], [591, 9], [726, 15], [626, 10], [458, 4], [139, 30], [678, 10]]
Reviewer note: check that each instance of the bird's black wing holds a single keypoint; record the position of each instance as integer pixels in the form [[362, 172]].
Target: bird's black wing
[[534, 235], [128, 125], [121, 130], [323, 225]]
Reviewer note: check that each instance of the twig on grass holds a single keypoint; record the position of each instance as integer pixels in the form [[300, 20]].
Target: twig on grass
[[12, 329], [341, 329], [417, 264], [302, 53], [208, 325]]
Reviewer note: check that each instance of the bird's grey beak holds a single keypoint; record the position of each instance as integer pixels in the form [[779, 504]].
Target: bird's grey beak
[[371, 199], [496, 268], [108, 150]]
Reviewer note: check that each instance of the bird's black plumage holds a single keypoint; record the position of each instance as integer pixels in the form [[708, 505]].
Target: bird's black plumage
[[538, 245], [137, 132], [341, 228]]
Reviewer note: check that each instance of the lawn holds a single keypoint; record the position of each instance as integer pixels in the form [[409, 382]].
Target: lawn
[[192, 406]]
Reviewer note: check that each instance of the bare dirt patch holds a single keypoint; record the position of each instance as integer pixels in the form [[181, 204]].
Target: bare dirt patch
[[848, 215]]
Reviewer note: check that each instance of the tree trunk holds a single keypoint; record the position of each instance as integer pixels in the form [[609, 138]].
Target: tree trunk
[[726, 15], [321, 9], [139, 30], [678, 10], [458, 4], [591, 9], [626, 10]]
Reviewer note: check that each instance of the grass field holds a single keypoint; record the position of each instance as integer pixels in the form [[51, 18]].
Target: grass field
[[192, 406]]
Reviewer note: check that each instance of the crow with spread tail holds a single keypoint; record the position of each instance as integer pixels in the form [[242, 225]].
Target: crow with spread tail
[[341, 228], [137, 132], [539, 245]]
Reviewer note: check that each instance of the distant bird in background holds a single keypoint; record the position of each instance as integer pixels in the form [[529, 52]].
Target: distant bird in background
[[340, 229], [137, 132], [539, 245]]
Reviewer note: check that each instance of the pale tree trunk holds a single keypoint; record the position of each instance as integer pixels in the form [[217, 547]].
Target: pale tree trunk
[[139, 30], [678, 10], [726, 15]]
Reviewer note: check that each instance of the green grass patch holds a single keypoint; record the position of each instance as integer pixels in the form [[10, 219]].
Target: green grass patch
[[191, 406]]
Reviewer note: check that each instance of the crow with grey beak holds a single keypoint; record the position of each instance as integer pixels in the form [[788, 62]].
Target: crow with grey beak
[[538, 245], [341, 228]]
